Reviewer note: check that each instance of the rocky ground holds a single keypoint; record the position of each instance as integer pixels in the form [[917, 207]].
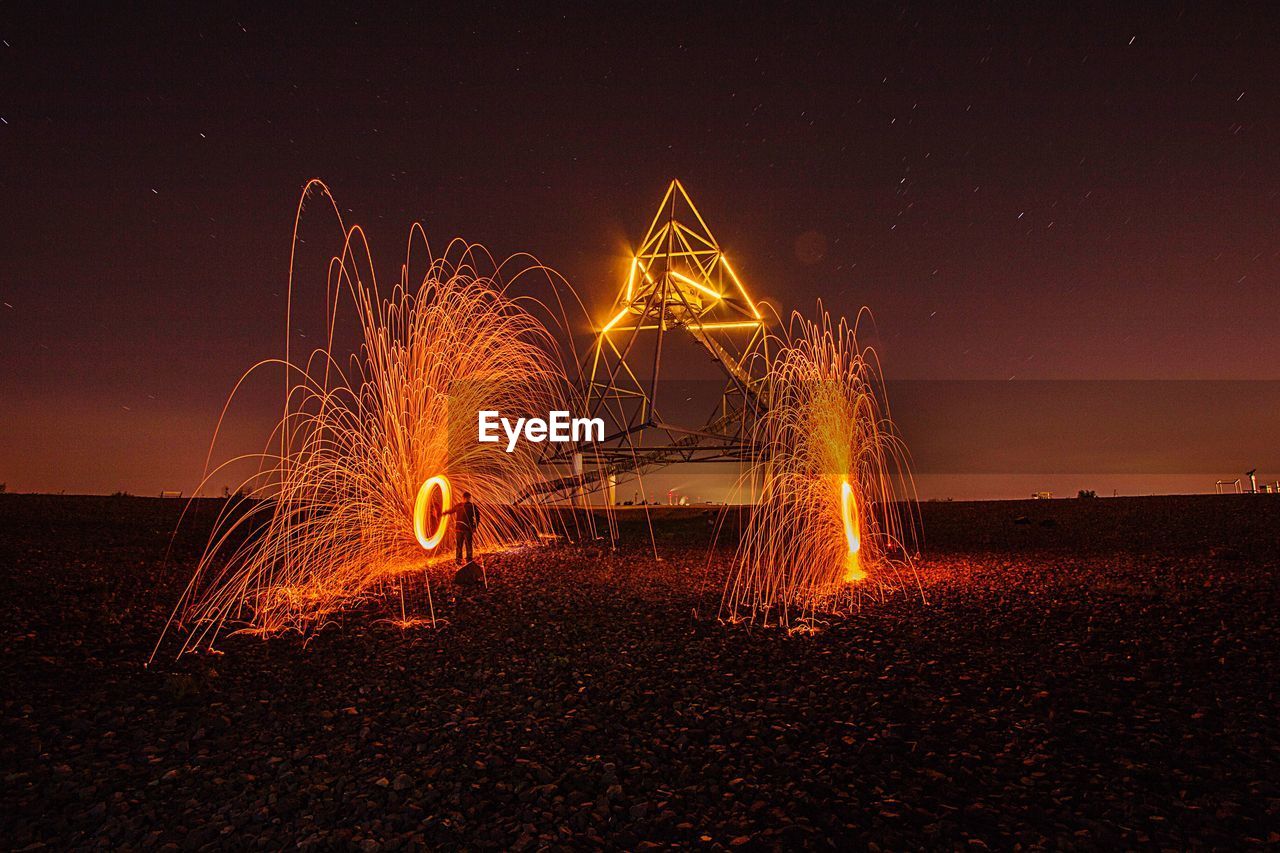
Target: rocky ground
[[1093, 674]]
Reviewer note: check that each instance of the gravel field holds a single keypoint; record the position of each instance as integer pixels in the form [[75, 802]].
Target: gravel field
[[1077, 674]]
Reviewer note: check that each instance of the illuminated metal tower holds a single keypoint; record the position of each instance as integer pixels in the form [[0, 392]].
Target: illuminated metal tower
[[679, 282]]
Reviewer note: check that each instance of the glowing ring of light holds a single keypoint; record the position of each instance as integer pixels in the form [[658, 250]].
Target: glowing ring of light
[[420, 507], [849, 512]]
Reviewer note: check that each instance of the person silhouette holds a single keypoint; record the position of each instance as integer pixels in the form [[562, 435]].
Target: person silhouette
[[468, 518]]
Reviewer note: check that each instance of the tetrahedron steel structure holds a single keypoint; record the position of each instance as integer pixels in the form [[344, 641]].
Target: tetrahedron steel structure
[[679, 283]]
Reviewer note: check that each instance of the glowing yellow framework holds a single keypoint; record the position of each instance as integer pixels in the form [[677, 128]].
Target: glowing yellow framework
[[680, 276], [678, 281]]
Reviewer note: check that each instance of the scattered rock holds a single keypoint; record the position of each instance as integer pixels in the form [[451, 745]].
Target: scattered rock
[[469, 575], [1111, 691]]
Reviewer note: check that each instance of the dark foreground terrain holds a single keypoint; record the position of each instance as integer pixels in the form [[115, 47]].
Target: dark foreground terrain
[[1092, 674]]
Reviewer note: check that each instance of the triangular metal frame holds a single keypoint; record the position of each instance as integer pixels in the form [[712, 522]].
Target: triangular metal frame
[[678, 280]]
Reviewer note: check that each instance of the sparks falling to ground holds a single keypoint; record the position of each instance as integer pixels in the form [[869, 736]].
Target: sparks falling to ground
[[377, 440], [828, 529], [371, 449]]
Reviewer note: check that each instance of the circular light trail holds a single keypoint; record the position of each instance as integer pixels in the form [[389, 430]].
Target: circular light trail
[[849, 509], [423, 505], [849, 513]]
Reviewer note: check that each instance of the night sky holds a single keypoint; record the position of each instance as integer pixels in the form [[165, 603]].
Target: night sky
[[1067, 195]]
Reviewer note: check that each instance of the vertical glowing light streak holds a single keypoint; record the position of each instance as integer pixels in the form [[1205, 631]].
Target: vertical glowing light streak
[[853, 538]]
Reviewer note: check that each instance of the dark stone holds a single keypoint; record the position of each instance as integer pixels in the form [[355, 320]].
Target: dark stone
[[469, 575]]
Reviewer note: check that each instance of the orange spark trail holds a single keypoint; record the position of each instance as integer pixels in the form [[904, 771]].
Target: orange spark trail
[[827, 530], [346, 489]]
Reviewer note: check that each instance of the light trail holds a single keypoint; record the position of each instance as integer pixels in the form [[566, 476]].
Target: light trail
[[828, 530], [422, 507], [371, 432]]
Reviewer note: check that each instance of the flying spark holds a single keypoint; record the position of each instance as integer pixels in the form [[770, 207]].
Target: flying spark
[[828, 529], [350, 498]]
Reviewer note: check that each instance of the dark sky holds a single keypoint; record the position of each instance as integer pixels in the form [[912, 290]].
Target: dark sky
[[1037, 191]]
